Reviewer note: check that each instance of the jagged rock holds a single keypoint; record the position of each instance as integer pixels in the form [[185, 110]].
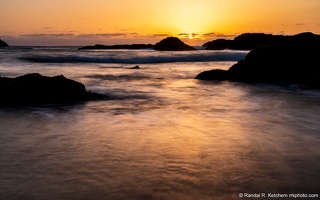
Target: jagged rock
[[38, 89], [294, 61], [172, 44], [3, 43]]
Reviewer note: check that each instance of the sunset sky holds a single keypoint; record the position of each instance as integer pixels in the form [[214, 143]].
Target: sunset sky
[[87, 22]]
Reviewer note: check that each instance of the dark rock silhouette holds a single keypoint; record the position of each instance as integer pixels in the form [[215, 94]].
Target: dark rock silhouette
[[172, 44], [246, 41], [135, 67], [293, 61], [3, 43], [38, 89], [218, 44], [125, 46], [215, 74]]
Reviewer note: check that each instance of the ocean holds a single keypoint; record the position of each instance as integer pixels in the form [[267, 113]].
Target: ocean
[[161, 135]]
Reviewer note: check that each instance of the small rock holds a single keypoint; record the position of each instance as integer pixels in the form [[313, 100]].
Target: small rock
[[135, 67]]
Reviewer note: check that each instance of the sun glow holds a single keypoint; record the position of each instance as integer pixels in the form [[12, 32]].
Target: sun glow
[[33, 22]]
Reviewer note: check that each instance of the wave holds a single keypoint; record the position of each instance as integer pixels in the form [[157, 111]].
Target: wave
[[138, 59], [117, 77]]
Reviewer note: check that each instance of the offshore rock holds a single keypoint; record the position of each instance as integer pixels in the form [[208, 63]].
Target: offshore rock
[[135, 67], [172, 44], [38, 89], [246, 41]]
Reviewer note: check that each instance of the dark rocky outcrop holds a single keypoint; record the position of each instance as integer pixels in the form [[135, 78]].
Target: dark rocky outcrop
[[215, 74], [38, 89], [125, 46], [218, 44], [172, 44], [3, 43], [294, 61], [135, 67], [246, 41]]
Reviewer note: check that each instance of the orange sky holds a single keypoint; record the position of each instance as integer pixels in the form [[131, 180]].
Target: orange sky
[[87, 22]]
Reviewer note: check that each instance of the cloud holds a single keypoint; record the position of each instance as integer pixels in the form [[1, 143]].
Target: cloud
[[48, 35], [218, 35], [300, 24], [48, 27], [159, 35], [103, 35], [70, 34], [188, 34], [76, 38], [110, 34]]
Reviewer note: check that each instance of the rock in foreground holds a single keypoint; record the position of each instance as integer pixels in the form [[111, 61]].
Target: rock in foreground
[[295, 61], [172, 44], [38, 89], [3, 43]]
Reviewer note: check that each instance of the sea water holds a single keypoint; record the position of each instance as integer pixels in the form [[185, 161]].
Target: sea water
[[161, 135]]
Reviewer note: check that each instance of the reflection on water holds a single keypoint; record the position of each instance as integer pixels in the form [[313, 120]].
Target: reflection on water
[[194, 141], [166, 137]]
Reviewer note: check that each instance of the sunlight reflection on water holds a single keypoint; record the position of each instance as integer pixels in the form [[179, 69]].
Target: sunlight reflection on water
[[164, 137]]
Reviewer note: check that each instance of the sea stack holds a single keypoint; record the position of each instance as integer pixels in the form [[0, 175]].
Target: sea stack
[[172, 44], [3, 43]]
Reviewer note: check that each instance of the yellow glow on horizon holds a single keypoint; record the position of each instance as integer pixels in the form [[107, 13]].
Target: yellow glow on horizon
[[140, 20]]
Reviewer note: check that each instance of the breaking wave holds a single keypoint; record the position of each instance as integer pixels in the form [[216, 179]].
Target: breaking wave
[[138, 59]]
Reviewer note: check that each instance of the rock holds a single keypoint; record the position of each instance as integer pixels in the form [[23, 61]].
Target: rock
[[135, 67], [215, 74], [38, 89], [246, 41], [125, 46], [294, 61], [172, 44], [3, 43], [218, 44]]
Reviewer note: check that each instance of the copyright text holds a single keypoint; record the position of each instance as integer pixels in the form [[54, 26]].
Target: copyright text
[[277, 195]]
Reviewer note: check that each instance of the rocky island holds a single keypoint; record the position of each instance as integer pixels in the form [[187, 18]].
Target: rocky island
[[295, 60], [172, 44], [37, 89]]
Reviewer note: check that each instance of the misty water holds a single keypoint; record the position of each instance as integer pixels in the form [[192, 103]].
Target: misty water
[[161, 135]]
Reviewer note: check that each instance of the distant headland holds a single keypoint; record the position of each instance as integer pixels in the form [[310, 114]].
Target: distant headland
[[167, 44], [245, 41]]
